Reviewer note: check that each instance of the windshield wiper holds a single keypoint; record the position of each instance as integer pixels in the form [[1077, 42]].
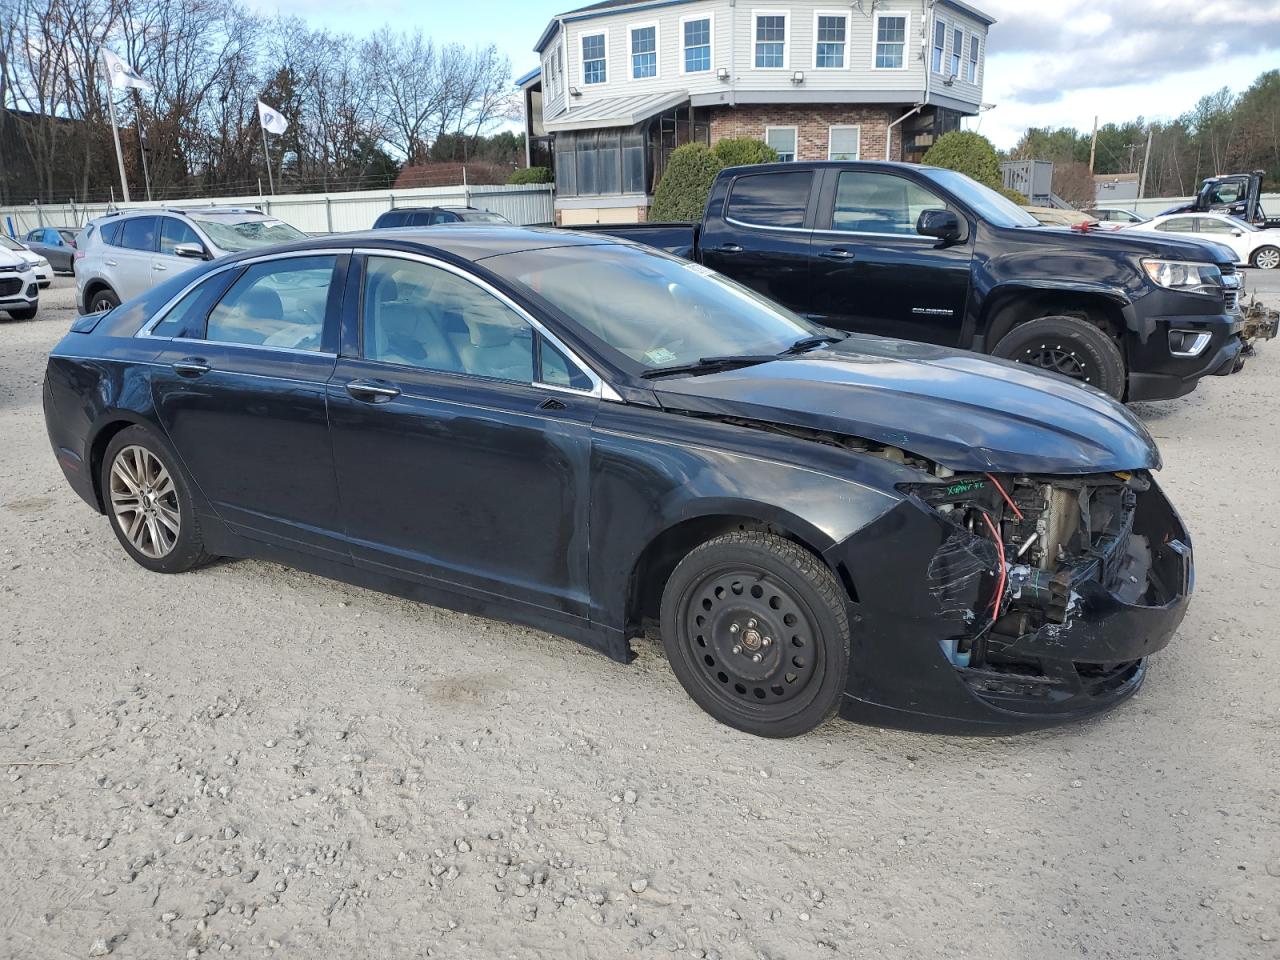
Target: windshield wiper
[[808, 343], [710, 365]]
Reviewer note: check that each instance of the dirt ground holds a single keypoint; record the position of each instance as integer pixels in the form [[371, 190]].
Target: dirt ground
[[250, 760]]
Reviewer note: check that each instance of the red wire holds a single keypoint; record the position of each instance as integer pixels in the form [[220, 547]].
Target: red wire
[[1007, 499], [995, 535]]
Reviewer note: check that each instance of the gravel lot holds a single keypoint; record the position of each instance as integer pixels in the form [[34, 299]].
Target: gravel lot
[[247, 759]]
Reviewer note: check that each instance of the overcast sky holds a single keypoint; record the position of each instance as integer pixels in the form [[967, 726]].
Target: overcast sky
[[1050, 62]]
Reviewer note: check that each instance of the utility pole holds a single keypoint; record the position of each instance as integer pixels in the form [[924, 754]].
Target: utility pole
[[1146, 162], [1093, 146]]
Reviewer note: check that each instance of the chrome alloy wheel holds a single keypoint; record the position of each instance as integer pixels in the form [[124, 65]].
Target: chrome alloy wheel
[[1268, 258], [144, 500]]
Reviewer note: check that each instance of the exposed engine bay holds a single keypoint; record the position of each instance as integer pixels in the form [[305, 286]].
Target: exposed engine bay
[[1025, 557]]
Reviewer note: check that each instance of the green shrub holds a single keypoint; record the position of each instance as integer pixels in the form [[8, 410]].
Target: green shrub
[[1013, 195], [530, 175], [682, 194], [743, 151], [968, 153]]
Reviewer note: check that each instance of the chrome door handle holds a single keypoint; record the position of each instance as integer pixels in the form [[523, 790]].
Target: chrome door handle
[[837, 253], [158, 266], [729, 248], [372, 391], [110, 263], [191, 367]]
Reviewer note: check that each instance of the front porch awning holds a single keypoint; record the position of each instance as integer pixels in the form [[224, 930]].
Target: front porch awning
[[615, 111]]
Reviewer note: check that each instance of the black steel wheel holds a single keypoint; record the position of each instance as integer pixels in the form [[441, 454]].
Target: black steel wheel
[[1070, 347], [756, 631]]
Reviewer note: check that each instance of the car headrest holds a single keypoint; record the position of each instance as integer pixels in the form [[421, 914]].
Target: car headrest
[[262, 303], [489, 326]]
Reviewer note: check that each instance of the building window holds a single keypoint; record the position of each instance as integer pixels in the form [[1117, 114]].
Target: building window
[[891, 42], [939, 45], [594, 58], [973, 58], [644, 52], [830, 31], [957, 49], [783, 140], [843, 143], [697, 45], [771, 41]]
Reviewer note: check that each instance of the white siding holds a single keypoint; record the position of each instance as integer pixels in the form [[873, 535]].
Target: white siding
[[733, 48]]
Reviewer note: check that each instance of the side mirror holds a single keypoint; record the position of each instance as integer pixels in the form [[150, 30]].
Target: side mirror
[[192, 251], [943, 225], [1237, 233]]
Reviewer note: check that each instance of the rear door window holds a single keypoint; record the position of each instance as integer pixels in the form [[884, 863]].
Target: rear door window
[[276, 303], [111, 233], [770, 199], [139, 234], [186, 317], [1178, 225]]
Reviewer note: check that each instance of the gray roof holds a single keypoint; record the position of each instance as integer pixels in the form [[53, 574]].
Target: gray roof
[[615, 111]]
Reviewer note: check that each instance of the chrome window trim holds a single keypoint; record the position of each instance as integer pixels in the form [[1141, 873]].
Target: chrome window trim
[[763, 226], [599, 387]]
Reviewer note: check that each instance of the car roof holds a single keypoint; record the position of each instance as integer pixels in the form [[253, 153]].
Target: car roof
[[469, 241]]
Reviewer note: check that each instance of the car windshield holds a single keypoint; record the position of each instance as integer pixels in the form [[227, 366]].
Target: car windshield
[[236, 235], [10, 244], [480, 216], [1237, 224], [984, 201], [656, 310]]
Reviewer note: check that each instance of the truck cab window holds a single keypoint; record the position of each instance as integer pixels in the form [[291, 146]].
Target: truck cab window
[[770, 199], [880, 203]]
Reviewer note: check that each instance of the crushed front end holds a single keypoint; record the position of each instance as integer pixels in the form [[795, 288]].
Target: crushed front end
[[1003, 602]]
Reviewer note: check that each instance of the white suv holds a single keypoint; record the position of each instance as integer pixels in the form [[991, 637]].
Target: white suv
[[123, 255], [19, 288]]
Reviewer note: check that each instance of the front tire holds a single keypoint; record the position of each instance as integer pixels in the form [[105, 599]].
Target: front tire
[[1068, 346], [756, 631], [149, 503], [26, 313], [1266, 258]]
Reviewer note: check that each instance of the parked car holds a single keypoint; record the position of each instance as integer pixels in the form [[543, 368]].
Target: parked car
[[1250, 245], [1116, 217], [43, 271], [125, 254], [19, 288], [432, 216], [55, 244], [592, 437], [1057, 217], [928, 254]]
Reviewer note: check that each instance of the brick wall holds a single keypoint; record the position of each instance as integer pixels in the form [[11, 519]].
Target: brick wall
[[813, 122]]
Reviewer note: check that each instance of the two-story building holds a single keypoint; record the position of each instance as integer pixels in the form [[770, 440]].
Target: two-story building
[[624, 82]]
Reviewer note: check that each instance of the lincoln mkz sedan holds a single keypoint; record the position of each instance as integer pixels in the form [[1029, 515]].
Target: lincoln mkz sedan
[[600, 440]]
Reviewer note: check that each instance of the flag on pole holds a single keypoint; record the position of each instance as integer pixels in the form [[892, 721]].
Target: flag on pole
[[122, 75], [271, 121]]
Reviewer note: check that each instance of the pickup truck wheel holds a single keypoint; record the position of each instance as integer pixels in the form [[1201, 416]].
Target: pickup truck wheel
[[1266, 258], [1068, 346], [756, 632]]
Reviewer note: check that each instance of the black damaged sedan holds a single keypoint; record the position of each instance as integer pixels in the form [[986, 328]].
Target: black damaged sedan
[[597, 439]]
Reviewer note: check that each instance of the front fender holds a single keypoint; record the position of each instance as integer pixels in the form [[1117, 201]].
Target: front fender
[[653, 471]]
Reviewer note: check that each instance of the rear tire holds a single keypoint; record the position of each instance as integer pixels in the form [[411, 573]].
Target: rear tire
[[1266, 258], [1068, 346], [756, 631], [148, 500], [103, 300]]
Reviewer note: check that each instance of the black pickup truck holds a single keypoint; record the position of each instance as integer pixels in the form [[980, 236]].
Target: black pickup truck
[[922, 253]]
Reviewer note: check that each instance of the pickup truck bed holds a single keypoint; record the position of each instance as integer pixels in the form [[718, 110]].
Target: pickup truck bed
[[679, 238]]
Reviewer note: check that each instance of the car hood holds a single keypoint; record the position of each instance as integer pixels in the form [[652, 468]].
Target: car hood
[[958, 409]]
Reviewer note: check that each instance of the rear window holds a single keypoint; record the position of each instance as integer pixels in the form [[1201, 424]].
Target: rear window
[[392, 218], [770, 199]]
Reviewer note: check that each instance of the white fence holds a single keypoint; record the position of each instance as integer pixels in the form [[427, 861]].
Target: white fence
[[314, 212]]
